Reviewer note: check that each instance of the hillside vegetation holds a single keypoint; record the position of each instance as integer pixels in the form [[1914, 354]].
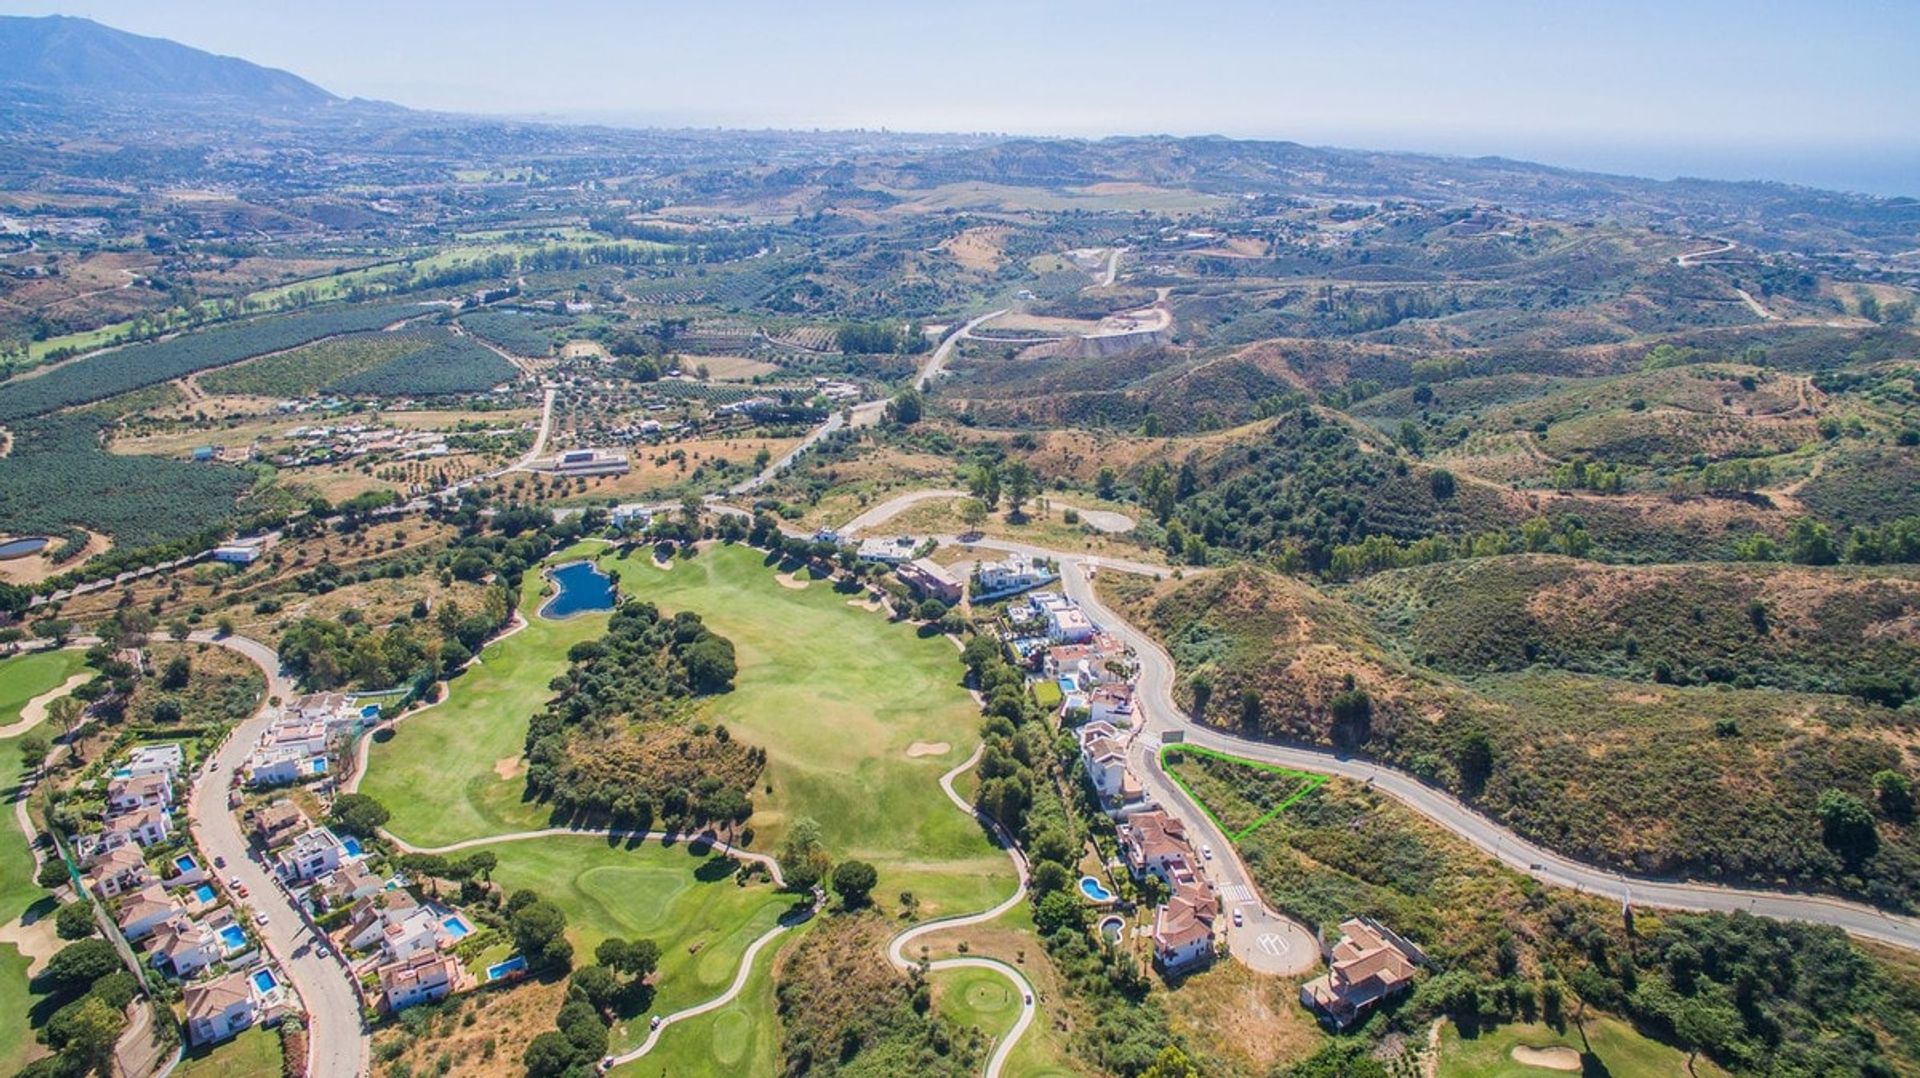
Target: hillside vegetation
[[1719, 782]]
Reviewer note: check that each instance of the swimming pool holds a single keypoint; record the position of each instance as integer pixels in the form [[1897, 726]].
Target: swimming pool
[[351, 845], [456, 927], [1111, 927], [264, 982], [233, 937], [509, 967], [185, 863], [1094, 890], [204, 893], [583, 587]]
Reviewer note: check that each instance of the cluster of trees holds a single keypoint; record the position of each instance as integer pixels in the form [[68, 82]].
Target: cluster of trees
[[877, 338], [992, 480], [1813, 542], [1377, 553], [635, 687], [1583, 474], [1020, 768], [523, 333], [805, 864], [615, 986], [88, 990]]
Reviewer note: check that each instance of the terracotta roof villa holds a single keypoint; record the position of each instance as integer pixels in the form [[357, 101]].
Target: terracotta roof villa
[[1370, 963]]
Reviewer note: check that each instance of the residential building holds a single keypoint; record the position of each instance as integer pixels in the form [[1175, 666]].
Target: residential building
[[146, 910], [312, 855], [1370, 963], [345, 886], [278, 822], [422, 978], [241, 551], [117, 871], [332, 710], [1069, 625], [1183, 929], [130, 792], [590, 462], [166, 759], [631, 517], [142, 827], [219, 1008], [896, 551], [1111, 702], [283, 767], [931, 579], [367, 925], [1105, 760], [409, 933], [183, 947], [1154, 842], [1016, 574]]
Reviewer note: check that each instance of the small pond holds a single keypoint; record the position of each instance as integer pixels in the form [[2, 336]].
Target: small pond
[[583, 588], [20, 548]]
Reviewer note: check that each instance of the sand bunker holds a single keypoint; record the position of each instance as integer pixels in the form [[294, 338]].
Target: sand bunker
[[869, 605], [664, 566], [928, 748], [507, 766], [788, 580], [37, 941], [35, 712], [1557, 1058]]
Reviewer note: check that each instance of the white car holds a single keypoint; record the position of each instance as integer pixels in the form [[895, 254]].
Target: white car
[[233, 881], [1239, 918], [260, 917], [1206, 852]]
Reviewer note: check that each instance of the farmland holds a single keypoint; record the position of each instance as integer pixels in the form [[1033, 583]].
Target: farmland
[[445, 363], [108, 374], [312, 367]]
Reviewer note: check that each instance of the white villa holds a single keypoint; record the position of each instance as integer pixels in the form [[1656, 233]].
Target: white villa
[[219, 1008]]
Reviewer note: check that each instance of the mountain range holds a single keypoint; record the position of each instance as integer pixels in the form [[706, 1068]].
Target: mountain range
[[63, 55]]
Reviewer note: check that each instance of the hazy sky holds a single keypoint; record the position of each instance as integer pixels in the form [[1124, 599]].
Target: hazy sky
[[1706, 87]]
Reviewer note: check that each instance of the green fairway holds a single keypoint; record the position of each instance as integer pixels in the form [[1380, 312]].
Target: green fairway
[[742, 1037], [451, 772], [1617, 1048], [687, 903], [22, 679], [837, 696], [16, 1036]]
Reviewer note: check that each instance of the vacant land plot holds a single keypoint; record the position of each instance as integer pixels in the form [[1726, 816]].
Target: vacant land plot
[[836, 696], [255, 1053]]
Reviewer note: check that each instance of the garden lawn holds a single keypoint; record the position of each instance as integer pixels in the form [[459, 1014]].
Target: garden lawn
[[742, 1037], [453, 771], [686, 902], [1619, 1049], [255, 1053], [22, 679], [836, 695]]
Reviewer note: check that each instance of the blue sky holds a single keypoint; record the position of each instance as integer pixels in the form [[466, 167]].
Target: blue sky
[[1728, 88]]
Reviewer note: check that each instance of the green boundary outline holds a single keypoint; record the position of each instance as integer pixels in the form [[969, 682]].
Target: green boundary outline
[[1313, 782]]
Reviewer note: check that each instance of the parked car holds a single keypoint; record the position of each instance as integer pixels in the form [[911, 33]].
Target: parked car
[[219, 861], [260, 917], [1239, 918], [1206, 852]]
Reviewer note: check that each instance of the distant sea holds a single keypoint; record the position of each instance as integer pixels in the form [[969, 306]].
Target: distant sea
[[1867, 170]]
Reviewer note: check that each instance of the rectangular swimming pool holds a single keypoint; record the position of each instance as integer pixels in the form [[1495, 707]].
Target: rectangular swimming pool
[[264, 982], [204, 893], [185, 863], [456, 926], [233, 937], [351, 845], [504, 969]]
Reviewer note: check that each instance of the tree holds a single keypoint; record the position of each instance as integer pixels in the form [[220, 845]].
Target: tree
[[931, 610], [1020, 486], [87, 1034], [74, 921], [178, 671], [34, 747], [906, 408], [1352, 717], [853, 881], [1894, 791], [1847, 827], [984, 484], [52, 874], [1475, 761], [579, 1022], [358, 814], [636, 958], [595, 984], [549, 1056], [710, 664], [973, 513], [1171, 1063], [540, 932], [803, 863], [75, 967]]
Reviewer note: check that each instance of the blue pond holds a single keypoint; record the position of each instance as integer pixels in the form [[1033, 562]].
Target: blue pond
[[204, 893], [503, 969], [233, 937], [263, 981], [20, 548], [1095, 890], [583, 588]]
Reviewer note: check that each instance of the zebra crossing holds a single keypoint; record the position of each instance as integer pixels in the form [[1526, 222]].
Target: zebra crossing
[[1236, 893]]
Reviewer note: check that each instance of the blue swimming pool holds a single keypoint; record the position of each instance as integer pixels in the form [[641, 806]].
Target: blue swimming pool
[[204, 893], [456, 927], [503, 969], [351, 845], [1095, 890], [1111, 927], [264, 982], [583, 587], [1067, 686], [233, 937], [185, 863]]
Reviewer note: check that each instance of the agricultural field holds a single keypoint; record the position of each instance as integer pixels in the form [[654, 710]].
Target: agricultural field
[[446, 363], [310, 368]]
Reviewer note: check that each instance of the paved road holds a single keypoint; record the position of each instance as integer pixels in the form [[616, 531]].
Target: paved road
[[1163, 714], [938, 361], [749, 485], [336, 1038]]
